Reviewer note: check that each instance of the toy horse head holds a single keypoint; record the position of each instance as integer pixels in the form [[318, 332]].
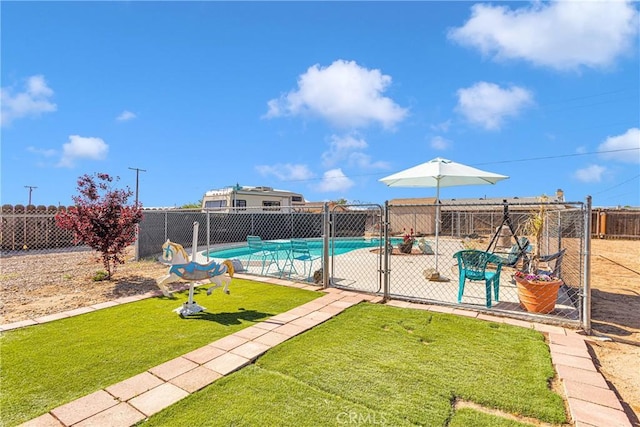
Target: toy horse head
[[174, 253]]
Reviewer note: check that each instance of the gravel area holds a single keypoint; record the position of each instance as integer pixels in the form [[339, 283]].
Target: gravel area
[[34, 285]]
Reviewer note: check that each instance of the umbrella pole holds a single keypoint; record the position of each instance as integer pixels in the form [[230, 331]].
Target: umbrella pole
[[437, 221]]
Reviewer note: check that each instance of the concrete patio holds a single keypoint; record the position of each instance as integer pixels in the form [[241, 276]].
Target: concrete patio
[[358, 270]]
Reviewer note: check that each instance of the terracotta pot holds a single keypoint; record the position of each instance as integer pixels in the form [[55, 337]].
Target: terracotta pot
[[538, 297]]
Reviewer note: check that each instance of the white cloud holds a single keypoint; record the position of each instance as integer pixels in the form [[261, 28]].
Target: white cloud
[[350, 150], [30, 103], [590, 174], [363, 161], [441, 127], [126, 116], [80, 147], [488, 105], [42, 152], [340, 147], [344, 93], [581, 149], [627, 141], [334, 180], [440, 143], [562, 35], [286, 172]]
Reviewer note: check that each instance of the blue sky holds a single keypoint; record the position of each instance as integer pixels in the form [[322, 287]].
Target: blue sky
[[322, 98]]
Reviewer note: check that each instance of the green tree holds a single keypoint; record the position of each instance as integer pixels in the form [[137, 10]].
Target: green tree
[[192, 205]]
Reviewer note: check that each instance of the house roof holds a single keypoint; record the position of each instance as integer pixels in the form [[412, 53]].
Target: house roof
[[413, 201], [515, 203], [319, 206]]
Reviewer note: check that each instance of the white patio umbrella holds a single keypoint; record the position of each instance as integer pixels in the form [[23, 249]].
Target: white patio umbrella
[[441, 173]]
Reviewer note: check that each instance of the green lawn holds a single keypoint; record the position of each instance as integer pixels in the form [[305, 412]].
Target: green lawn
[[375, 364], [47, 365]]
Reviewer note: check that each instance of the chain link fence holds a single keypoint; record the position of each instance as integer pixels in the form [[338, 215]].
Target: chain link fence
[[430, 273], [398, 251], [223, 234]]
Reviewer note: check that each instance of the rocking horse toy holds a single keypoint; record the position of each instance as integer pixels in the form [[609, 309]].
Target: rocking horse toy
[[219, 274]]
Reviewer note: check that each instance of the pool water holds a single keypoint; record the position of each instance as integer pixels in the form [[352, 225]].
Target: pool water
[[339, 247]]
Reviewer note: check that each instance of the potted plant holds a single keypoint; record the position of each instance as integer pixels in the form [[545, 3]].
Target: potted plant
[[537, 289], [407, 244], [537, 292]]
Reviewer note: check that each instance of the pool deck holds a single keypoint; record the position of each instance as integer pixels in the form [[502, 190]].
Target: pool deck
[[589, 399], [358, 270]]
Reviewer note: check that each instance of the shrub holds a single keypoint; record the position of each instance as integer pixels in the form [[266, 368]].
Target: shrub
[[101, 219]]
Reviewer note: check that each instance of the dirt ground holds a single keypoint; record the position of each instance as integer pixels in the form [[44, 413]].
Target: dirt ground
[[615, 313], [34, 285]]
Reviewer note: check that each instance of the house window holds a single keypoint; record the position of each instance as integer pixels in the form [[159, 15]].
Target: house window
[[215, 204], [240, 204], [296, 198], [271, 205]]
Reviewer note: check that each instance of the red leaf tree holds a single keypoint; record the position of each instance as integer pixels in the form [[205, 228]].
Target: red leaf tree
[[101, 218]]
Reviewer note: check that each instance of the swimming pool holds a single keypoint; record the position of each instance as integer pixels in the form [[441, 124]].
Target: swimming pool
[[339, 247]]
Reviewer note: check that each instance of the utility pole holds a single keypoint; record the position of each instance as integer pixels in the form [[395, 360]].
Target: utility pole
[[138, 170], [137, 247], [31, 188]]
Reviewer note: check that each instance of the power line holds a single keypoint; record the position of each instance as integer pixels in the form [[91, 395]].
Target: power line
[[597, 126], [606, 101], [595, 95], [617, 196], [559, 156], [617, 185]]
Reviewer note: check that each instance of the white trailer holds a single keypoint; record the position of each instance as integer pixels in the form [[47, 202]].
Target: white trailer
[[239, 198]]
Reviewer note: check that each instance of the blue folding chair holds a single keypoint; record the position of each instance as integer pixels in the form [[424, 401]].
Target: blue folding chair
[[300, 252], [261, 250], [472, 265], [519, 251], [556, 270]]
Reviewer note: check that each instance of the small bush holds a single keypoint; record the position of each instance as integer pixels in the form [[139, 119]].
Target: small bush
[[100, 276]]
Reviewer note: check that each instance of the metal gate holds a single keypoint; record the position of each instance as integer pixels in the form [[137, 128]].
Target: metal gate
[[355, 246]]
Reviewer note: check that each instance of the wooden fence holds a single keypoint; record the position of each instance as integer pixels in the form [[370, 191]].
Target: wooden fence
[[615, 223], [32, 228]]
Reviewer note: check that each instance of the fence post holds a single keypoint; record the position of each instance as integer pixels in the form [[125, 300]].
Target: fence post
[[415, 222], [136, 247], [165, 226], [325, 246], [24, 231], [586, 321], [208, 234], [386, 254], [602, 224], [559, 248]]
